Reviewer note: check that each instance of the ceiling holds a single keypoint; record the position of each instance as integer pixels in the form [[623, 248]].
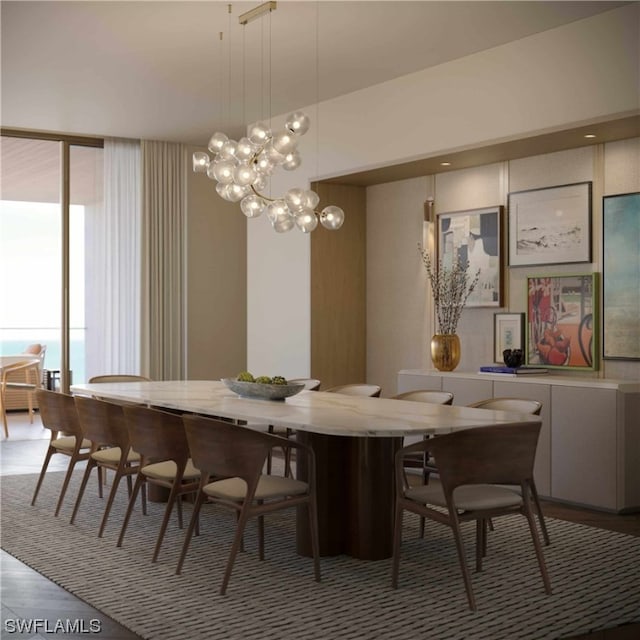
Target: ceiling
[[159, 70]]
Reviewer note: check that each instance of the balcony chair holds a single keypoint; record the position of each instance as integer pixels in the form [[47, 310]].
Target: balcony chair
[[238, 454], [23, 375], [472, 463]]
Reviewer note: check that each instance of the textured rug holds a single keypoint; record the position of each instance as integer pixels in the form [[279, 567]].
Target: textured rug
[[595, 576]]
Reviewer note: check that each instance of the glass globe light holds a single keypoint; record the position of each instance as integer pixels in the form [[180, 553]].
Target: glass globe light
[[295, 199], [277, 209], [237, 192], [307, 221], [200, 162], [223, 171], [284, 142], [273, 154], [223, 191], [260, 183], [244, 174], [283, 224], [244, 149], [210, 169], [252, 206], [264, 165], [216, 141], [259, 133], [312, 199], [297, 123], [332, 217], [228, 150], [292, 161]]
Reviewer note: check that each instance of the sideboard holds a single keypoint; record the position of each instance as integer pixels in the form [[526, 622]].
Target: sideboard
[[589, 447]]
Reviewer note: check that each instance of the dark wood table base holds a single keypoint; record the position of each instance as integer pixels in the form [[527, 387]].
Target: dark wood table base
[[355, 487]]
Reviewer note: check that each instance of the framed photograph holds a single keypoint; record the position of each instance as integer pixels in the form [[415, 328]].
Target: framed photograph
[[508, 333], [562, 321], [550, 226], [621, 276], [474, 236]]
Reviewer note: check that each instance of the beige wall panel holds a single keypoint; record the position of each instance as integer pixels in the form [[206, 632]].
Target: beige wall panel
[[397, 333], [338, 291], [215, 283]]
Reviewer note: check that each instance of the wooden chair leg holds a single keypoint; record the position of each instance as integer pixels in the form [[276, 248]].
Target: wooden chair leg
[[45, 464], [457, 534], [312, 509], [85, 478], [235, 547], [187, 538], [165, 519], [543, 524], [112, 495], [397, 540], [65, 484], [140, 482]]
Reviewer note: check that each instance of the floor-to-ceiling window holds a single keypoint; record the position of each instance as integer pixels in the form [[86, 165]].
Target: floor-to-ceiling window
[[50, 190]]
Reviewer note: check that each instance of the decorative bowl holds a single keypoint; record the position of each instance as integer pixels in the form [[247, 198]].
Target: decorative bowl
[[260, 391]]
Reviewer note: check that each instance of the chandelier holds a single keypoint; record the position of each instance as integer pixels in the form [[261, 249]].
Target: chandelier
[[242, 168]]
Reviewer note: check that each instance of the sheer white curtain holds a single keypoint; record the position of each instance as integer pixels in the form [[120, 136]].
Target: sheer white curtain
[[112, 302], [163, 218]]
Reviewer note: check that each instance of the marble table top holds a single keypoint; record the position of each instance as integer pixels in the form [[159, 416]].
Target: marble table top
[[313, 411]]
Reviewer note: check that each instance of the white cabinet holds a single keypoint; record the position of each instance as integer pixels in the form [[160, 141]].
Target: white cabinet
[[589, 447]]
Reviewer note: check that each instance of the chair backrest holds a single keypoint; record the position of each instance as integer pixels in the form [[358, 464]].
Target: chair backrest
[[310, 384], [371, 390], [426, 395], [117, 377], [27, 371], [226, 450], [156, 435], [496, 454], [519, 405], [58, 412], [102, 422]]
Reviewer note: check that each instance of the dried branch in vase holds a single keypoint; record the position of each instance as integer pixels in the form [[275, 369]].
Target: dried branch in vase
[[450, 288]]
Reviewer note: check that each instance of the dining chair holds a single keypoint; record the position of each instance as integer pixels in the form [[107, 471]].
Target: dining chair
[[159, 437], [472, 464], [24, 375], [58, 414], [103, 424], [422, 461], [117, 377], [310, 384], [238, 454], [519, 405], [357, 389]]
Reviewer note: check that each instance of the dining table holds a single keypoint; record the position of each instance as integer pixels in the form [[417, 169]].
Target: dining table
[[354, 439]]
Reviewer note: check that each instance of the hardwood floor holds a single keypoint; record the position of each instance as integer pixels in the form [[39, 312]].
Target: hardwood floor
[[26, 595]]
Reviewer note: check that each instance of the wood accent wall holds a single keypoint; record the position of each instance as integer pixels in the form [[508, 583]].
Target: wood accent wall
[[338, 290]]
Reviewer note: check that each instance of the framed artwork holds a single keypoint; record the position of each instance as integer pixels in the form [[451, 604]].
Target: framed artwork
[[474, 236], [562, 321], [550, 226], [621, 276], [508, 333]]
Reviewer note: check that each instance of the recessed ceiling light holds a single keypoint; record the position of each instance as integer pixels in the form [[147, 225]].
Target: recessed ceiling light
[[590, 135], [445, 164]]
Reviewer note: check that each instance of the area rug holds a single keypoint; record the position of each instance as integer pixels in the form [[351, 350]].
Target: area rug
[[595, 576]]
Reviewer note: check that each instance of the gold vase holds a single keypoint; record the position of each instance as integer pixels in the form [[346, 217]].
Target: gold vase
[[445, 351]]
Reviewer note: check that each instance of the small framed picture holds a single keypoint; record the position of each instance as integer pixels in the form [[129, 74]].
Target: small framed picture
[[562, 321], [474, 237], [550, 225], [508, 333]]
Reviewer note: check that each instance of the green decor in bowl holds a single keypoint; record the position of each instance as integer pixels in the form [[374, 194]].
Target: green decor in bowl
[[263, 391]]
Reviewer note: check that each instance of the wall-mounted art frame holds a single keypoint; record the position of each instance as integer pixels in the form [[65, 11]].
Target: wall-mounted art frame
[[562, 321], [474, 236], [621, 277], [508, 333], [550, 225]]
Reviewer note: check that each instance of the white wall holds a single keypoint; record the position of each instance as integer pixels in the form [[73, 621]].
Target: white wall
[[584, 71]]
